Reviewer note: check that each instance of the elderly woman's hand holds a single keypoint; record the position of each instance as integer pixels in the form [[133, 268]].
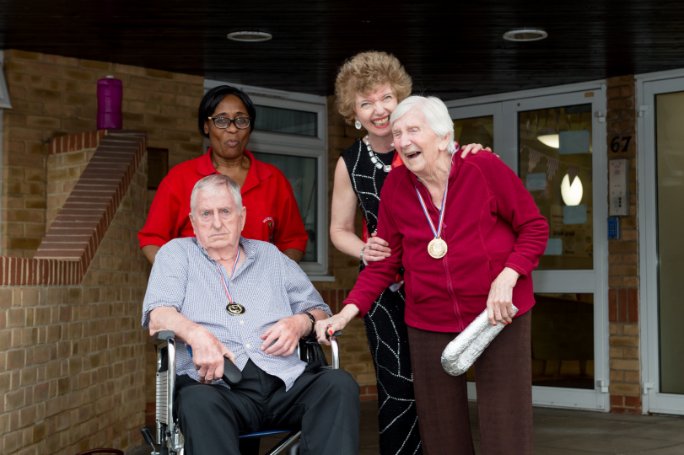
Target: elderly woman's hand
[[375, 249], [500, 299], [325, 328]]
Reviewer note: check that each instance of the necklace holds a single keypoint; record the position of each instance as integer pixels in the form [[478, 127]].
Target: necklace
[[233, 308], [437, 247], [375, 159]]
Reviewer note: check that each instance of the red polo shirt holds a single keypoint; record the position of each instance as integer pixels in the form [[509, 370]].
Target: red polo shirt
[[272, 211]]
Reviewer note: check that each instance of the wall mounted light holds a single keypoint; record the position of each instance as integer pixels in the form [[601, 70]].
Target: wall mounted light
[[549, 140], [571, 191]]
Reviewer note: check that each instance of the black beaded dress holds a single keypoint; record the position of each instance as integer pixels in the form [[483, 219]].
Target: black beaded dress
[[385, 327]]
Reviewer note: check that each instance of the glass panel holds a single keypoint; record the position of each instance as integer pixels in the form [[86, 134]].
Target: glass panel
[[670, 169], [556, 167], [287, 121], [563, 341], [301, 172], [479, 130]]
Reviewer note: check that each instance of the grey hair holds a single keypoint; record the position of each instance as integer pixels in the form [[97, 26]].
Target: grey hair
[[213, 182], [436, 116]]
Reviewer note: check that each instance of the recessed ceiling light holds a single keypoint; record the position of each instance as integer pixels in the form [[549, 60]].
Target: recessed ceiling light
[[525, 34], [249, 36]]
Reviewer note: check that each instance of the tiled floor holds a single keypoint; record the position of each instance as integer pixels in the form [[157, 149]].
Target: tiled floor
[[562, 432], [567, 432]]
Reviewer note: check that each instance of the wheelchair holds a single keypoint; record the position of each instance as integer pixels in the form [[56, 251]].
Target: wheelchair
[[168, 439]]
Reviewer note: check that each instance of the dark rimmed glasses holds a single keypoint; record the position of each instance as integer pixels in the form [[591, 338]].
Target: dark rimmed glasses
[[224, 122]]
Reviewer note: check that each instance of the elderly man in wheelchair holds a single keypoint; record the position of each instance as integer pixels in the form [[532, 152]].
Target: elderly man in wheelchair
[[238, 309]]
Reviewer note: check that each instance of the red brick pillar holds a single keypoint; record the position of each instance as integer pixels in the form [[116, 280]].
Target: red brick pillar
[[623, 270]]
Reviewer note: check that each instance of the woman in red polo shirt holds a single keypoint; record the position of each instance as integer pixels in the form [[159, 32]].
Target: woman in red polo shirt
[[226, 116]]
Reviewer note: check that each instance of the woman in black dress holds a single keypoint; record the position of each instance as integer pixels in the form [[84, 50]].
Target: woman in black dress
[[367, 89]]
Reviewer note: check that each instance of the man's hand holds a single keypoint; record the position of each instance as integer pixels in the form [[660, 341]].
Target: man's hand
[[207, 351], [208, 354], [282, 338]]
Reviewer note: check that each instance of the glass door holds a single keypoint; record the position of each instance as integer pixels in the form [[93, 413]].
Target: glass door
[[556, 144], [661, 217]]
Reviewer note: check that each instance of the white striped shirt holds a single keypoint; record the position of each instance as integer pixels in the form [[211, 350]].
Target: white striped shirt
[[268, 284]]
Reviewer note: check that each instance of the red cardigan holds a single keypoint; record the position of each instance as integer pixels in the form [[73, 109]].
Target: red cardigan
[[490, 222], [272, 211]]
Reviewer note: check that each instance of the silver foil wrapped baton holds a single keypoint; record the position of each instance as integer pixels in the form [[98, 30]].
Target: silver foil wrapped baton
[[463, 351]]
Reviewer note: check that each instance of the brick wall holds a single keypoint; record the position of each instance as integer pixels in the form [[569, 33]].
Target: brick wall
[[53, 95], [72, 357], [62, 171], [75, 365], [623, 261]]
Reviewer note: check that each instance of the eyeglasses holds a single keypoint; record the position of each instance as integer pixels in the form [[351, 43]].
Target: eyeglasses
[[224, 122]]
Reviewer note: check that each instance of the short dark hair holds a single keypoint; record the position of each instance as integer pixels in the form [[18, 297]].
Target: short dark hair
[[213, 97]]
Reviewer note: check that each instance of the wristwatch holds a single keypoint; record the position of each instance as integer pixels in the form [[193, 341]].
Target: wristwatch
[[313, 320]]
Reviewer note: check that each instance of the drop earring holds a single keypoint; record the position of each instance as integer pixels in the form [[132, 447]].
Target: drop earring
[[357, 124]]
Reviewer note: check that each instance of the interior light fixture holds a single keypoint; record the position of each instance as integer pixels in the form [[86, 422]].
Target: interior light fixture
[[571, 192], [525, 34], [249, 36], [549, 140]]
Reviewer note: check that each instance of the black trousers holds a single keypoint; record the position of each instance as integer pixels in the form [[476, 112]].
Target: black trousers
[[324, 403]]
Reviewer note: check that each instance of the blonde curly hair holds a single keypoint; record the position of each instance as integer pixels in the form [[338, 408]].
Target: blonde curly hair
[[365, 71]]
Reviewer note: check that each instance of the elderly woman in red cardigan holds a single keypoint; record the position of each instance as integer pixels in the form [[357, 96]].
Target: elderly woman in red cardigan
[[468, 235]]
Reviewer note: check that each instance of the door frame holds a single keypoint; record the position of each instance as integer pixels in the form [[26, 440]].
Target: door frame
[[647, 87], [504, 109]]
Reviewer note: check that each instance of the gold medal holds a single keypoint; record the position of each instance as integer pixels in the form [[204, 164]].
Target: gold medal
[[235, 309], [232, 307], [437, 248]]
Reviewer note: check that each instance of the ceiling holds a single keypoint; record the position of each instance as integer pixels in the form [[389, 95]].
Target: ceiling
[[452, 50]]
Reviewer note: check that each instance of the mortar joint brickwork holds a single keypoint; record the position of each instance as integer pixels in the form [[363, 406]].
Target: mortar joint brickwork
[[64, 254]]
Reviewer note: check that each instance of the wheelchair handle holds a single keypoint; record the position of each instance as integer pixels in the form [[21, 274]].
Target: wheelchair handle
[[165, 335]]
